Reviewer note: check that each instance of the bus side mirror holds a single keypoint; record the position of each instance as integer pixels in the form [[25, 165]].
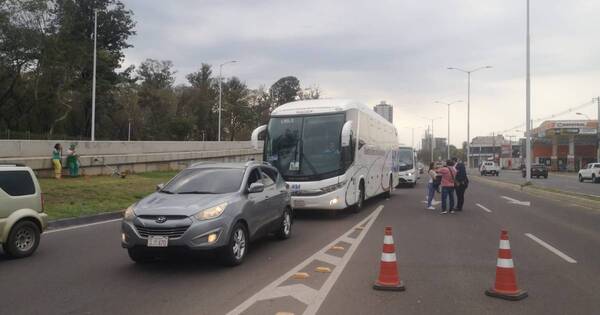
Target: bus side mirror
[[347, 134], [255, 134]]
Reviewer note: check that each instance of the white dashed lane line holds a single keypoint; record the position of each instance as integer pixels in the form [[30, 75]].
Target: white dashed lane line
[[484, 208], [313, 298], [551, 248]]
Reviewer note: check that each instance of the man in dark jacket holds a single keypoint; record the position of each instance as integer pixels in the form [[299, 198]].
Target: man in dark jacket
[[461, 185]]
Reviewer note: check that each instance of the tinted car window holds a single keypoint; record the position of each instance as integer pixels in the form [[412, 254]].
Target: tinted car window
[[206, 181], [253, 177], [17, 183], [270, 173], [267, 180]]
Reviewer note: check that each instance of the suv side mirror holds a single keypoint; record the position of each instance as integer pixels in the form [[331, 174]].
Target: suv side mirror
[[160, 186], [347, 134], [256, 188]]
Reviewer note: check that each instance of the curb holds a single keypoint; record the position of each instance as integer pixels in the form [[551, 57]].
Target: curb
[[68, 222], [578, 199]]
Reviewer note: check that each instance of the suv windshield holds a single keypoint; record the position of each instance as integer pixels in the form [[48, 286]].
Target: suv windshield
[[305, 147], [405, 157], [205, 181]]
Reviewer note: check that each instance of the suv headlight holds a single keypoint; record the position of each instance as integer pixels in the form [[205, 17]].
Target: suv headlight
[[211, 213], [129, 213]]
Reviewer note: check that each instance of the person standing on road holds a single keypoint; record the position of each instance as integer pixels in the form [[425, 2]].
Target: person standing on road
[[430, 186], [461, 184], [57, 160], [448, 173], [73, 161]]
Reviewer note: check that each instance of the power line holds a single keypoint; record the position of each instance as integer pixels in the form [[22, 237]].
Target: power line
[[567, 111]]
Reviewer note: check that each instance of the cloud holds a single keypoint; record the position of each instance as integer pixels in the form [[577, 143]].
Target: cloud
[[396, 51]]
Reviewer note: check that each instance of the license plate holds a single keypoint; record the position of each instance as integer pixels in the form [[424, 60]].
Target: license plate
[[158, 241]]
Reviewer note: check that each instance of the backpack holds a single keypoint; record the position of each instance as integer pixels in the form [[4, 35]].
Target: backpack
[[437, 182]]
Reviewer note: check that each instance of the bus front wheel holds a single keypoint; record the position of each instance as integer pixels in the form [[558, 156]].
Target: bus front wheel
[[361, 198]]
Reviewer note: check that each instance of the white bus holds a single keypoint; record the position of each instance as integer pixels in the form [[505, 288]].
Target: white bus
[[408, 170], [334, 154]]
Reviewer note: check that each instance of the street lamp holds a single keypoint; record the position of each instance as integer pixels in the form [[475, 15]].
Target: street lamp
[[432, 138], [468, 72], [220, 92], [448, 144], [94, 78]]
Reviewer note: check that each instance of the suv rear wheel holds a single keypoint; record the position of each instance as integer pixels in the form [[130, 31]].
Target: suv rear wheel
[[285, 230], [23, 239], [580, 178]]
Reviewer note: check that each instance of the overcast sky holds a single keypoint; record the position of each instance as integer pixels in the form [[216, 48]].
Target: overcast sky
[[396, 51]]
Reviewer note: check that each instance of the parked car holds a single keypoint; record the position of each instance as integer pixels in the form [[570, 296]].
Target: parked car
[[591, 171], [210, 206], [22, 217], [537, 170], [489, 167]]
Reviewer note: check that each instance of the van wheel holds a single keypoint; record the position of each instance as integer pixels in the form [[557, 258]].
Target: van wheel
[[361, 198], [23, 239], [234, 252], [285, 229], [594, 179], [580, 178]]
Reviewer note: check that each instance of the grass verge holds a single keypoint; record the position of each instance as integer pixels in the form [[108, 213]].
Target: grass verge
[[74, 197]]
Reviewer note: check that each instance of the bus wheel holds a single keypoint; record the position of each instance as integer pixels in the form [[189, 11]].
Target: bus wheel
[[388, 193], [361, 198]]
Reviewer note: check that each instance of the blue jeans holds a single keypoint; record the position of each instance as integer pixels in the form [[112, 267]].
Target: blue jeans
[[430, 194], [447, 193]]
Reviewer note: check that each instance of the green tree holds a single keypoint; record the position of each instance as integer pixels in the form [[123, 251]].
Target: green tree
[[285, 90]]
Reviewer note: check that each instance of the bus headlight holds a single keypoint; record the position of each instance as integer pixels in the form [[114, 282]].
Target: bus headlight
[[334, 187]]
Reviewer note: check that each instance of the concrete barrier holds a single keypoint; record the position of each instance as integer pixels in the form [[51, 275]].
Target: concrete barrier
[[134, 156]]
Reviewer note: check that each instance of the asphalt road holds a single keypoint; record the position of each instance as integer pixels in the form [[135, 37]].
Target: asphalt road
[[446, 262], [566, 182]]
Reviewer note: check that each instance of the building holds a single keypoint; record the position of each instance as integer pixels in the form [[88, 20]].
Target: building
[[440, 143], [565, 145], [385, 110], [506, 153]]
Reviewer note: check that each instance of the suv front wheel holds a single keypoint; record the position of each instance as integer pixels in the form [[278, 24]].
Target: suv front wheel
[[23, 239], [234, 252]]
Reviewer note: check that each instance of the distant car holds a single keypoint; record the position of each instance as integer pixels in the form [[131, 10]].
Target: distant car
[[22, 217], [591, 172], [537, 170], [489, 168], [216, 206]]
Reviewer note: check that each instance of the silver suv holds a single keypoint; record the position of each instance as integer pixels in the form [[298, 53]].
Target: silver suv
[[209, 206], [22, 217]]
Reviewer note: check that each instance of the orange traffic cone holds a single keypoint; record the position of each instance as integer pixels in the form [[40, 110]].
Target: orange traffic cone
[[506, 282], [388, 270]]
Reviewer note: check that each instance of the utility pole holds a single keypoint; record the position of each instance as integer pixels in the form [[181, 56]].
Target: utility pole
[[94, 78], [528, 106], [598, 132]]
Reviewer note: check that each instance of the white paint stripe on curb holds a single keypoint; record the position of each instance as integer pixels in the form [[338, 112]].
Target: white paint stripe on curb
[[505, 263], [388, 257], [504, 244], [483, 208], [80, 226], [552, 249], [311, 297]]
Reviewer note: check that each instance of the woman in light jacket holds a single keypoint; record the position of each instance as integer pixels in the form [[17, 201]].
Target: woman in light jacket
[[430, 188]]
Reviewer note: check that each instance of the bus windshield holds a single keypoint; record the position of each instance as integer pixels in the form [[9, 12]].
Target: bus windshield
[[406, 159], [305, 147]]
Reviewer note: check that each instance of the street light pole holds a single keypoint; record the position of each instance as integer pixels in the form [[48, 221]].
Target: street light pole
[[468, 72], [93, 138], [221, 92], [528, 106], [448, 143]]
